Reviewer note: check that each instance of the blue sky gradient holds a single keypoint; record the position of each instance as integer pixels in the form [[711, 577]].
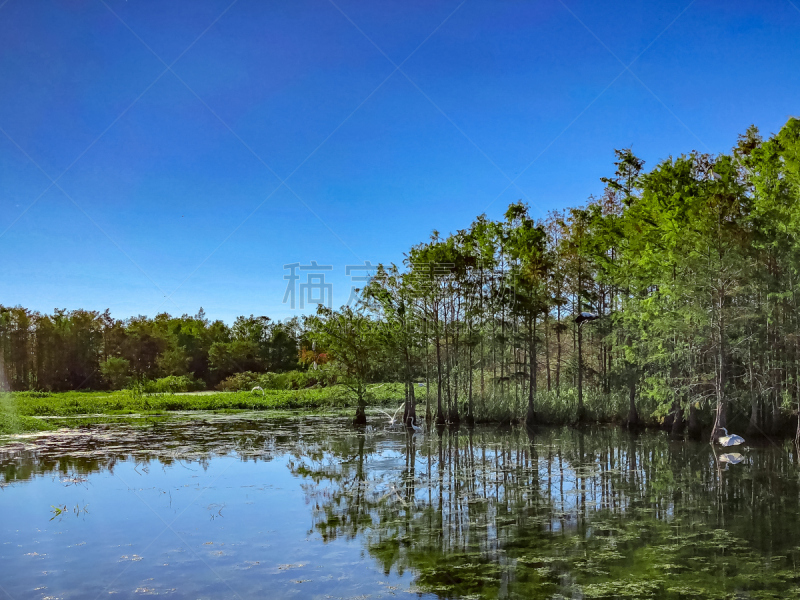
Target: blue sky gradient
[[197, 147]]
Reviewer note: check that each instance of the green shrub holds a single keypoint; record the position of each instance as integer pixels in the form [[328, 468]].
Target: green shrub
[[238, 382], [291, 380], [173, 384]]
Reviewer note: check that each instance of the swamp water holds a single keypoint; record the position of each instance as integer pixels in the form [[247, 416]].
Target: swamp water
[[254, 506]]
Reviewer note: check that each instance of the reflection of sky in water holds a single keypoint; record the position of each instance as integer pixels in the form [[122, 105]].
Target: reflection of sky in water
[[222, 529], [303, 507]]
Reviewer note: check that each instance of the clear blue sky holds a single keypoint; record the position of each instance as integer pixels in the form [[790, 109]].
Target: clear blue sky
[[292, 131]]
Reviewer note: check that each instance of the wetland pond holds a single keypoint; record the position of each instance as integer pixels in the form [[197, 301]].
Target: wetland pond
[[260, 506]]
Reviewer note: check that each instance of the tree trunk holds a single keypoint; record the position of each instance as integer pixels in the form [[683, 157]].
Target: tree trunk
[[530, 418], [454, 412], [427, 378], [470, 408], [775, 427], [694, 425], [678, 422], [547, 348], [721, 416], [439, 411], [447, 368], [633, 414], [581, 416], [502, 340], [404, 420], [558, 351], [410, 409], [361, 416], [482, 330]]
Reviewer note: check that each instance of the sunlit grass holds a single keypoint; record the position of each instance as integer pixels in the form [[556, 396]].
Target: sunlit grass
[[13, 421], [22, 405], [19, 410]]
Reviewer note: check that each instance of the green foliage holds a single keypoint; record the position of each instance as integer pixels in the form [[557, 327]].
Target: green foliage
[[292, 380], [116, 371], [354, 343], [11, 421], [239, 382], [172, 385]]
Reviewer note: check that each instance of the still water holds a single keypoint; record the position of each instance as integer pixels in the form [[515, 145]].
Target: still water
[[251, 506]]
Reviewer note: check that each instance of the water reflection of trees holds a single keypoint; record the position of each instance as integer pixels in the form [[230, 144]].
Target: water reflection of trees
[[614, 514], [499, 513], [93, 449]]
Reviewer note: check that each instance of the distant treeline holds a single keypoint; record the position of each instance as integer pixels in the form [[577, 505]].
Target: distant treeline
[[81, 349]]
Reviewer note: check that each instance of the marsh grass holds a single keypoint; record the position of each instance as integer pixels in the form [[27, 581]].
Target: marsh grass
[[19, 410], [555, 409], [13, 421], [24, 405]]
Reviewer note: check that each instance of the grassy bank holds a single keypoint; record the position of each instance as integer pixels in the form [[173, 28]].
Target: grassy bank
[[18, 411], [11, 421]]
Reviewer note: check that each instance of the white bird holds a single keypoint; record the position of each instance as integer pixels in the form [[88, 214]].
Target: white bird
[[392, 418], [416, 428], [260, 389], [733, 458], [729, 440]]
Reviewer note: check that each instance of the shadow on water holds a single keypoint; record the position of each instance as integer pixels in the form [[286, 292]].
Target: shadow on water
[[487, 513]]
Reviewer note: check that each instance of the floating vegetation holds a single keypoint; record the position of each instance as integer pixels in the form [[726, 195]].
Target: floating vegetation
[[62, 510], [73, 480]]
